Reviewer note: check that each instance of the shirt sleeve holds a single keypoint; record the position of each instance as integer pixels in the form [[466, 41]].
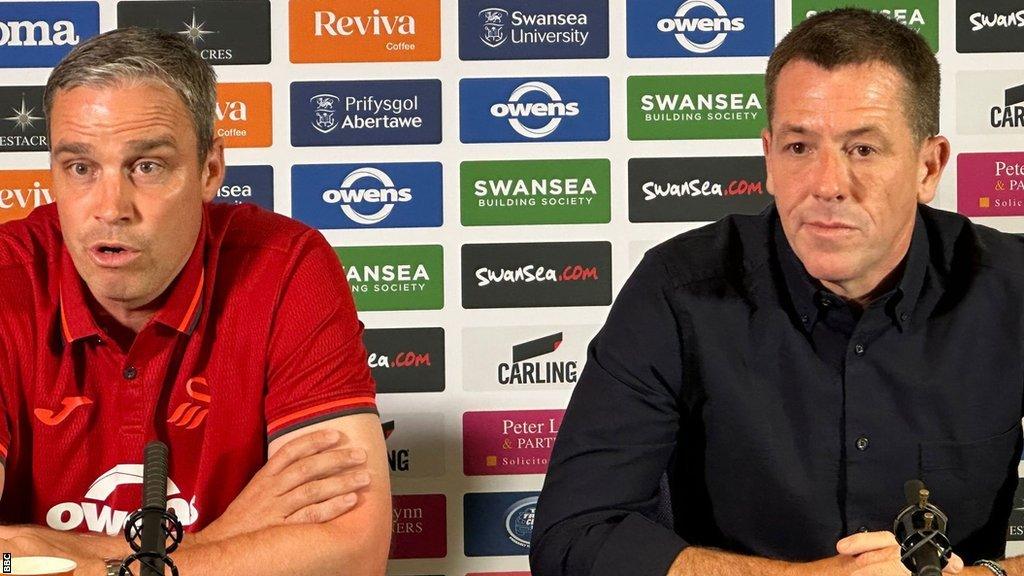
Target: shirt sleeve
[[317, 363], [595, 513]]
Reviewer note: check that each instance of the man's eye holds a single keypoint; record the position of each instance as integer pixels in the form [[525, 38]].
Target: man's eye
[[147, 167], [864, 151], [797, 148], [79, 169]]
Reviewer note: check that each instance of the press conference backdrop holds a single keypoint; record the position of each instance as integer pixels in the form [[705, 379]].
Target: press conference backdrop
[[490, 171]]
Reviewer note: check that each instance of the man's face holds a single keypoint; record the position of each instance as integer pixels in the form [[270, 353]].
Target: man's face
[[846, 171], [129, 187]]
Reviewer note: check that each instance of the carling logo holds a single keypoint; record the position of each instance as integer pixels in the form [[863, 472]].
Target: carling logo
[[419, 526], [685, 107], [510, 442], [532, 29], [989, 26], [361, 113], [990, 102], [395, 277], [222, 31], [40, 34], [524, 110], [385, 195], [535, 192], [244, 113], [536, 274], [667, 28], [696, 189], [919, 15], [415, 444], [251, 184], [990, 184], [22, 124], [406, 359], [22, 191], [381, 31], [498, 523], [524, 357]]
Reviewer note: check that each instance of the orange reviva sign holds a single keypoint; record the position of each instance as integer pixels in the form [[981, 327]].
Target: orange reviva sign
[[244, 114], [380, 31], [22, 191]]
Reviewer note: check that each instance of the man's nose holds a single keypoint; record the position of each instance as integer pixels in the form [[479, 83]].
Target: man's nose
[[114, 199], [830, 177]]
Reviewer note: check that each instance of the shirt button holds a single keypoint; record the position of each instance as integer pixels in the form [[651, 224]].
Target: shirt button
[[862, 443], [130, 373], [858, 349], [862, 529], [904, 316], [805, 318]]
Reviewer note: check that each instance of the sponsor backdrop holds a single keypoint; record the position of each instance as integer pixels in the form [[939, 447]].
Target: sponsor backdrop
[[490, 171]]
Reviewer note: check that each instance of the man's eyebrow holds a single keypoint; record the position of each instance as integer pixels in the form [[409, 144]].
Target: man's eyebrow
[[794, 129], [869, 129], [146, 145], [72, 148]]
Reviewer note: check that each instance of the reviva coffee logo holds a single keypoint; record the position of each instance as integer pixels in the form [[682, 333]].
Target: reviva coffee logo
[[990, 184], [512, 442], [378, 31], [244, 114], [22, 191]]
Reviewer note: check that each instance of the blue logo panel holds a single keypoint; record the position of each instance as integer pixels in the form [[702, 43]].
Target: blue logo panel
[[366, 113], [385, 195], [534, 109], [532, 29], [499, 524], [39, 34], [680, 28], [251, 184]]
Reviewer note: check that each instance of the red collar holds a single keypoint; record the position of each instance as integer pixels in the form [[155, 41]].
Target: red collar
[[180, 311]]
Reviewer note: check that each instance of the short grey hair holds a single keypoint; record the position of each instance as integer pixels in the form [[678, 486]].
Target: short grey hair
[[142, 55]]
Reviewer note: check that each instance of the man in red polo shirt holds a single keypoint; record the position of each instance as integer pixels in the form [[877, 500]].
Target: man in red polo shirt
[[133, 310]]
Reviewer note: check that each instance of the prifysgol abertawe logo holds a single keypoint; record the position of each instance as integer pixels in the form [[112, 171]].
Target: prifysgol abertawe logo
[[682, 25], [515, 110], [386, 112], [519, 371], [98, 517]]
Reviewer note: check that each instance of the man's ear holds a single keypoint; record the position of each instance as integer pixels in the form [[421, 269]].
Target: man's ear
[[213, 170], [932, 159], [766, 146]]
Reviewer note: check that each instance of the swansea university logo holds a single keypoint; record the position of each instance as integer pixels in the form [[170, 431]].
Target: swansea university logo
[[526, 109], [385, 195], [494, 22], [323, 113], [667, 28]]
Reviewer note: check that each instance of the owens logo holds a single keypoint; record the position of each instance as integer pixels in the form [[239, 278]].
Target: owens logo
[[99, 517], [188, 415], [555, 109], [70, 403], [386, 195], [682, 25]]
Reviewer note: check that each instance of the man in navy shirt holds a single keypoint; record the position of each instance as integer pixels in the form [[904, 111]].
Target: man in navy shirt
[[784, 374]]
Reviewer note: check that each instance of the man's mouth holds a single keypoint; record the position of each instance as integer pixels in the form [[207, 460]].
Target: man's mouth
[[112, 254]]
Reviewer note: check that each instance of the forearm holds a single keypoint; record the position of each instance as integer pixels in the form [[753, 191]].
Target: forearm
[[1013, 566], [696, 561], [80, 544]]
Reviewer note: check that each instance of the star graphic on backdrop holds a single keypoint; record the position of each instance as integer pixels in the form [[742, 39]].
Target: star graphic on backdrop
[[23, 118], [195, 32]]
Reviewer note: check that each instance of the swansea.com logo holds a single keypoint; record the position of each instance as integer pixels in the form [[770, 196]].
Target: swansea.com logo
[[381, 196], [522, 112], [98, 517], [534, 273], [685, 26]]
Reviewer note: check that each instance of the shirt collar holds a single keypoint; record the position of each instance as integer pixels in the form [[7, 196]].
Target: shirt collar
[[180, 311], [807, 293]]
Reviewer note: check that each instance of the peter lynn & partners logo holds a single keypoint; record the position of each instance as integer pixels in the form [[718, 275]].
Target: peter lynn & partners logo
[[689, 28], [990, 184], [532, 29], [523, 110], [511, 442]]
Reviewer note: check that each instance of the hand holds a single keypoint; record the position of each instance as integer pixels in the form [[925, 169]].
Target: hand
[[311, 479], [870, 554], [32, 543]]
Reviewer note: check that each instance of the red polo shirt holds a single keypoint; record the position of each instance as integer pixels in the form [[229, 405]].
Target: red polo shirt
[[257, 336]]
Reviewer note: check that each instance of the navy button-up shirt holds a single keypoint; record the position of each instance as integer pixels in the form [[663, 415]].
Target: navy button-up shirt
[[778, 418]]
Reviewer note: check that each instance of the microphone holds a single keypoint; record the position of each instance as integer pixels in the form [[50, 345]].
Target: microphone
[[154, 506], [920, 529]]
